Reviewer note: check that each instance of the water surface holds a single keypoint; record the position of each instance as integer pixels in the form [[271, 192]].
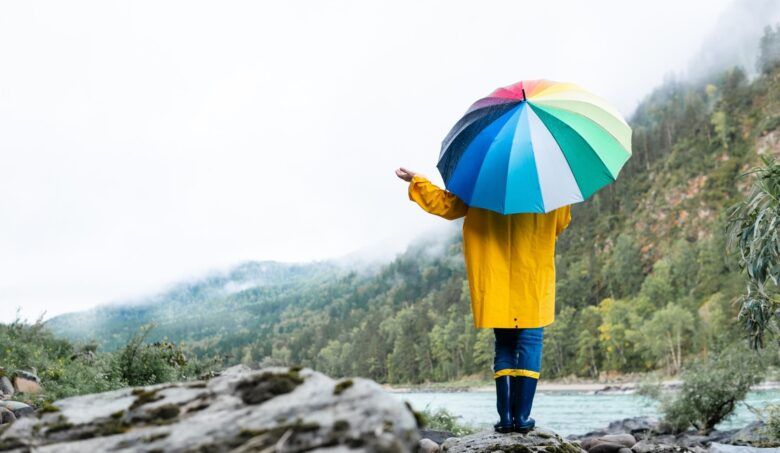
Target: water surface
[[568, 412]]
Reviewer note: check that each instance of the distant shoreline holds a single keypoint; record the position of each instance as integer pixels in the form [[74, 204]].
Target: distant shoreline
[[592, 387]]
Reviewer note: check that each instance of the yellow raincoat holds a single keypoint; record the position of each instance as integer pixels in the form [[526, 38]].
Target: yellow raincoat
[[510, 259]]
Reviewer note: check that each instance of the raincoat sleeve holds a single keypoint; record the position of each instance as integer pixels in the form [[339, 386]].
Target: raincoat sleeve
[[435, 200], [563, 218]]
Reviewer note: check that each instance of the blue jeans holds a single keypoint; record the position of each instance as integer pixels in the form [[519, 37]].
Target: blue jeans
[[518, 352]]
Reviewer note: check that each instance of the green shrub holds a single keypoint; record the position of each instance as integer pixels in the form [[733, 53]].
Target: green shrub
[[139, 363], [442, 420], [69, 369], [753, 232], [772, 427], [65, 369], [711, 389]]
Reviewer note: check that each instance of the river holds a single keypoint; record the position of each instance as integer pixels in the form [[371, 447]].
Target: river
[[568, 412]]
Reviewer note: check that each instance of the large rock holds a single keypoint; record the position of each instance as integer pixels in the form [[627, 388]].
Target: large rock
[[24, 385], [279, 409], [538, 440], [26, 382]]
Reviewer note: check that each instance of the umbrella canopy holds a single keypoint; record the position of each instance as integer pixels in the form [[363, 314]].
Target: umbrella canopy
[[534, 146]]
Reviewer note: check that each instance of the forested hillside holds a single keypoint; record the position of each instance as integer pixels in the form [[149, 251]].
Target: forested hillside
[[644, 277], [204, 307]]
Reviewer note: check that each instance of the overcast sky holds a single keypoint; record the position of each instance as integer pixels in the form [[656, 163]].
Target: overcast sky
[[144, 142]]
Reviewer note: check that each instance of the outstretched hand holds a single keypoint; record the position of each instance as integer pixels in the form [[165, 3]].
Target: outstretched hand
[[405, 174]]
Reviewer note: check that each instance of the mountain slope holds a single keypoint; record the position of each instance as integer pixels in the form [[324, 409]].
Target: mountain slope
[[188, 310], [644, 260]]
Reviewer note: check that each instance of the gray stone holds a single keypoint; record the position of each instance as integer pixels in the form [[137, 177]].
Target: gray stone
[[621, 440], [435, 435], [645, 446], [752, 434], [25, 385], [603, 447], [722, 448], [6, 416], [635, 426], [6, 388], [538, 440], [665, 439], [625, 439], [722, 437], [279, 409], [688, 439], [428, 446], [692, 440], [19, 409], [632, 425], [28, 375]]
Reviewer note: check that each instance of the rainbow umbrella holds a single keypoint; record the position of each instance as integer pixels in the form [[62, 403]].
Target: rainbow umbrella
[[534, 146]]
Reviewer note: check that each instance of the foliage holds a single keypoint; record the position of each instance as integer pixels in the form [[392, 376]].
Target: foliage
[[139, 364], [717, 329], [68, 369], [64, 368], [772, 427], [711, 389], [668, 335], [558, 340], [623, 269], [755, 232], [442, 420], [589, 351], [617, 334]]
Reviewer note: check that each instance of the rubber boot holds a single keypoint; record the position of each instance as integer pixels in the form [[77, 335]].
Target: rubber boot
[[523, 390], [503, 402]]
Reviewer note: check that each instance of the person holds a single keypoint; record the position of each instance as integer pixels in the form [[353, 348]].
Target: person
[[510, 265]]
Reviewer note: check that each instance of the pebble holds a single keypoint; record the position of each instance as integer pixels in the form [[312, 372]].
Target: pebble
[[428, 446]]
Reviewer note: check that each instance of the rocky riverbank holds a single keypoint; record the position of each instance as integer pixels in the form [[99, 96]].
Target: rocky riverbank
[[646, 435], [242, 410], [633, 435], [290, 410]]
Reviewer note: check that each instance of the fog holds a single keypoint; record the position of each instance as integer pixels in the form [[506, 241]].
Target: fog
[[733, 40], [145, 142]]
